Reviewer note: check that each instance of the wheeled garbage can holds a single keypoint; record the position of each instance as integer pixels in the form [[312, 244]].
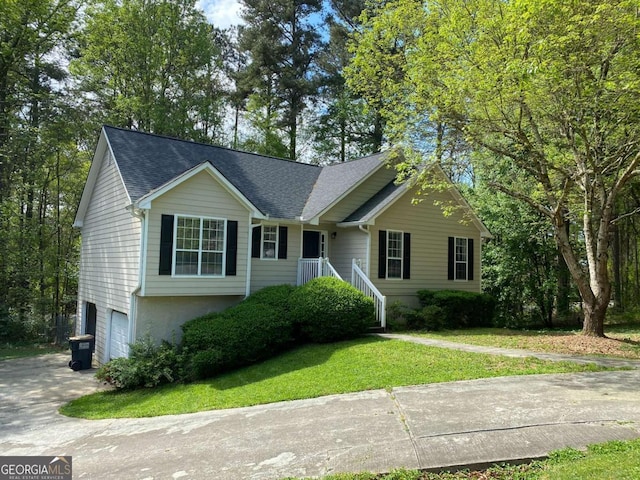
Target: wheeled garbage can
[[81, 352]]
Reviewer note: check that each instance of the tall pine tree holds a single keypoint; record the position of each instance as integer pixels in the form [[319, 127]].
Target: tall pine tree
[[281, 43], [343, 129]]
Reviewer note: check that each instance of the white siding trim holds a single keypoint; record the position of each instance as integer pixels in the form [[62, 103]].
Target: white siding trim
[[143, 251], [112, 157], [146, 200], [249, 246]]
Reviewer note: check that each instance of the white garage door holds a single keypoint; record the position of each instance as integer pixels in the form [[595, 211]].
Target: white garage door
[[119, 343]]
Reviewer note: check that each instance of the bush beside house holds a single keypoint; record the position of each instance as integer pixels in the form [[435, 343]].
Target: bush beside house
[[451, 309], [277, 318], [266, 323], [247, 333], [148, 365], [328, 310]]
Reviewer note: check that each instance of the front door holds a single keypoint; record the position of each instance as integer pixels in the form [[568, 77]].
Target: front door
[[314, 244]]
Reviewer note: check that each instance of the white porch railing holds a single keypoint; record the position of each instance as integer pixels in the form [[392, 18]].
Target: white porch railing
[[360, 280], [310, 268]]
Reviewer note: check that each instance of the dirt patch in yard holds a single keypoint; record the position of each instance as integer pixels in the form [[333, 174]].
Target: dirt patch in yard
[[617, 345]]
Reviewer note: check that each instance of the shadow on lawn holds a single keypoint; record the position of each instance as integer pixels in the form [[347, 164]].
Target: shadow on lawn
[[299, 358]]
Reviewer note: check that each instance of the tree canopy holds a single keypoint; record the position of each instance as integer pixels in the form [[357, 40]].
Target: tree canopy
[[546, 92], [531, 104], [152, 65]]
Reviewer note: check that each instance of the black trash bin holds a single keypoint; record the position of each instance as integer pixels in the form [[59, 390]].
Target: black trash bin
[[81, 352]]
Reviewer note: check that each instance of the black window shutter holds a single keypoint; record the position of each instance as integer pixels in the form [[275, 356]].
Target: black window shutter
[[232, 247], [282, 242], [382, 254], [166, 245], [452, 254], [256, 238], [406, 257], [470, 259]]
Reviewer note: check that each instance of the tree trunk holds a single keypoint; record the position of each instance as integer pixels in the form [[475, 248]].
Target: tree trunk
[[617, 268], [594, 286], [594, 315], [564, 282]]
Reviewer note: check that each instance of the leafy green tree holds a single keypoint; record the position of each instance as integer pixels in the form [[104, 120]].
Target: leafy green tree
[[343, 127], [546, 92], [41, 166], [152, 65], [281, 45], [520, 262]]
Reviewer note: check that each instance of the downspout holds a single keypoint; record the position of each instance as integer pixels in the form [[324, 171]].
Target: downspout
[[365, 229], [140, 214]]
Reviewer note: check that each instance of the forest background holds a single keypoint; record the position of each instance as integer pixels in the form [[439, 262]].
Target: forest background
[[295, 80]]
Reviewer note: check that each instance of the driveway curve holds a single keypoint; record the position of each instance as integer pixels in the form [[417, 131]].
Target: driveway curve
[[469, 423]]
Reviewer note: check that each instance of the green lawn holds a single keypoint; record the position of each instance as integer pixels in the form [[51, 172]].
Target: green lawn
[[312, 371], [607, 461], [31, 349]]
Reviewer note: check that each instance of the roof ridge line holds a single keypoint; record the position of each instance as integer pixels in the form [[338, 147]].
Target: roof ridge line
[[182, 140]]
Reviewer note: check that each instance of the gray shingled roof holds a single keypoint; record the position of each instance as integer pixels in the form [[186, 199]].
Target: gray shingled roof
[[375, 204], [277, 187], [335, 180]]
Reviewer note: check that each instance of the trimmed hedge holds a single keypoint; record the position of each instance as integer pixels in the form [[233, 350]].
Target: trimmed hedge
[[276, 296], [328, 310], [460, 309], [247, 333], [271, 321]]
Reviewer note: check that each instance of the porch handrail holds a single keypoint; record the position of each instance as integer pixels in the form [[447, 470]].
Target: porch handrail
[[310, 268], [360, 280], [330, 271]]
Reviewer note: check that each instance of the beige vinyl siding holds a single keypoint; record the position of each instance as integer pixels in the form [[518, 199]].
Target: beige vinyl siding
[[110, 253], [266, 272], [349, 243], [201, 195], [161, 317], [430, 231], [359, 196]]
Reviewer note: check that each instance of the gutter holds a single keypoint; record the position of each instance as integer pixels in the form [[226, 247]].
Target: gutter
[[365, 229], [140, 214]]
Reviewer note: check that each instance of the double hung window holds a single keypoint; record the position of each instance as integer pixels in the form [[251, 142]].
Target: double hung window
[[394, 254], [199, 246], [269, 241], [461, 259]]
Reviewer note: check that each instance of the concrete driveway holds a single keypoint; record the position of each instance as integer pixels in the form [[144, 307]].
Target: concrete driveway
[[442, 425]]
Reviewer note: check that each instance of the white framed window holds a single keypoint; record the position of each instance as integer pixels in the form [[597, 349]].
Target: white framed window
[[269, 242], [199, 247], [461, 259], [395, 247]]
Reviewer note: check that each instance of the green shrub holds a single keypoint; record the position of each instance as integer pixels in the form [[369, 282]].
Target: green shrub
[[327, 310], [426, 297], [460, 309], [429, 318], [148, 365], [398, 316], [276, 296], [241, 335]]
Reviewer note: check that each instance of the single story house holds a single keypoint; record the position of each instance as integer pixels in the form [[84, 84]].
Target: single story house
[[174, 229]]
